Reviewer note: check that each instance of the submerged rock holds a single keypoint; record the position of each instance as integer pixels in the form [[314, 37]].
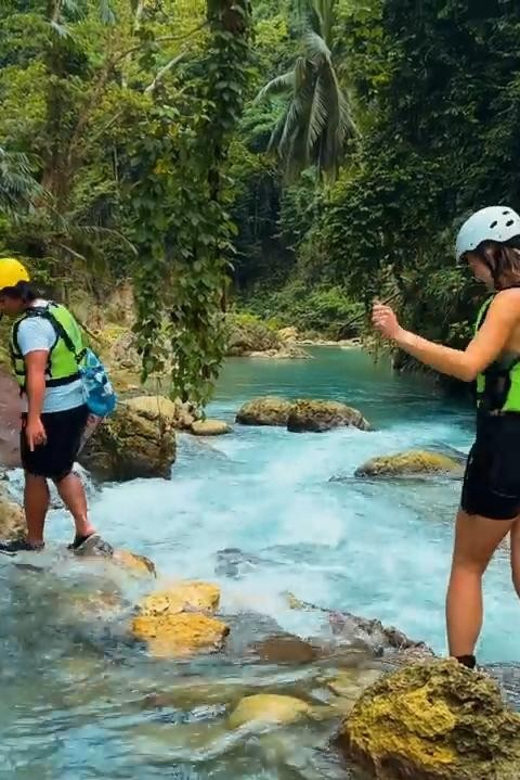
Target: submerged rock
[[285, 649], [380, 638], [349, 684], [434, 721], [320, 416], [265, 411], [412, 463], [180, 635], [268, 708], [139, 565], [210, 428], [137, 441]]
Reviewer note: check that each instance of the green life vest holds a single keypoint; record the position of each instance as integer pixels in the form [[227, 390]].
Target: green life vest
[[66, 353], [498, 387]]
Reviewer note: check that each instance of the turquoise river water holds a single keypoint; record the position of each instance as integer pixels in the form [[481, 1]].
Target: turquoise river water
[[77, 701]]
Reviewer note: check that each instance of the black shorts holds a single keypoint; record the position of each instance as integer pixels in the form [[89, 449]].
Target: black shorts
[[492, 480], [56, 458]]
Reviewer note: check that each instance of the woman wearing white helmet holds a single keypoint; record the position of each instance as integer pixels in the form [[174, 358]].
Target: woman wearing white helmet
[[489, 242]]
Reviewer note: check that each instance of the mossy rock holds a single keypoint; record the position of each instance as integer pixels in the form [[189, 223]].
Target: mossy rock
[[135, 442], [247, 334], [412, 463], [270, 410], [433, 721], [319, 416]]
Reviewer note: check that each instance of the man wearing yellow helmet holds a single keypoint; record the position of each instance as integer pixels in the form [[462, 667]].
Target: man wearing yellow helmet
[[45, 343]]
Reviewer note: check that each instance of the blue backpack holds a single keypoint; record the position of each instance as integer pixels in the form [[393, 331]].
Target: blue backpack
[[99, 395], [98, 392]]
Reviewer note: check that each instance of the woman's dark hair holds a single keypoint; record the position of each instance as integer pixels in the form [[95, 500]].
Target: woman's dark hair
[[503, 260], [24, 291]]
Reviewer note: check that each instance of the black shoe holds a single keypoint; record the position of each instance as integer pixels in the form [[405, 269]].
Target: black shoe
[[13, 546], [91, 545]]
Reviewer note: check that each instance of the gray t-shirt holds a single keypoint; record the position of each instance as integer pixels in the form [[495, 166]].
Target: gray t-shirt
[[35, 334]]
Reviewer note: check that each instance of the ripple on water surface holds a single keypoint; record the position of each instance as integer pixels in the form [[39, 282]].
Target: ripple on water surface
[[78, 702]]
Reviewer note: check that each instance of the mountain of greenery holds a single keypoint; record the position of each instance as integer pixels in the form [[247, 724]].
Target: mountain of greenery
[[294, 158]]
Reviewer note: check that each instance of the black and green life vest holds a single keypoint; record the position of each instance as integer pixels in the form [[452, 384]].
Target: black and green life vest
[[498, 387], [65, 354]]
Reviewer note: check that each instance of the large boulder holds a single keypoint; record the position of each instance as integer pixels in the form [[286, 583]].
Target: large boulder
[[433, 721], [157, 407], [319, 416], [411, 464], [265, 411], [138, 440]]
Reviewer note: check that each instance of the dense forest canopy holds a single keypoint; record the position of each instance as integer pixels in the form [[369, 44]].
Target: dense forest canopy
[[293, 158]]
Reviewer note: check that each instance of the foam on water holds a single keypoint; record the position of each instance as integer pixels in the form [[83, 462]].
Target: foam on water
[[377, 549]]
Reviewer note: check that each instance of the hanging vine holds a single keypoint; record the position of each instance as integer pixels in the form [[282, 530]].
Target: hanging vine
[[179, 198]]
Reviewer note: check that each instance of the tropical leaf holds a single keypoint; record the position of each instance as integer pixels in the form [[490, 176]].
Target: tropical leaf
[[277, 86], [316, 47], [318, 119], [18, 188]]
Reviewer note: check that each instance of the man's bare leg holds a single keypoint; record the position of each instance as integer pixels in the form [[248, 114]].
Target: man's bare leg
[[515, 555], [72, 493], [36, 504]]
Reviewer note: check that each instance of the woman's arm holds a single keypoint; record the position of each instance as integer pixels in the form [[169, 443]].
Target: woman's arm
[[502, 317]]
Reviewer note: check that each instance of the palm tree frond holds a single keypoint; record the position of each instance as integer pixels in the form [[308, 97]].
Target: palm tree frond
[[277, 86], [316, 47]]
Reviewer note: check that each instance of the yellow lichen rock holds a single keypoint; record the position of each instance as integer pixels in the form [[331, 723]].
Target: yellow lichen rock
[[138, 565], [173, 621], [411, 463], [433, 721], [188, 596], [180, 635], [269, 708]]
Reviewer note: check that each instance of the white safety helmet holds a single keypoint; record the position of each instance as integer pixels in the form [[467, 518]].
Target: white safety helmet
[[494, 223]]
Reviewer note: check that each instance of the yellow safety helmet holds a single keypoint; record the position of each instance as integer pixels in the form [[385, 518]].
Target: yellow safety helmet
[[12, 272]]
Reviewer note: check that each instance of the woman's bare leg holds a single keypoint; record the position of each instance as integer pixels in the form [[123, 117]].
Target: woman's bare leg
[[515, 555], [476, 539]]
